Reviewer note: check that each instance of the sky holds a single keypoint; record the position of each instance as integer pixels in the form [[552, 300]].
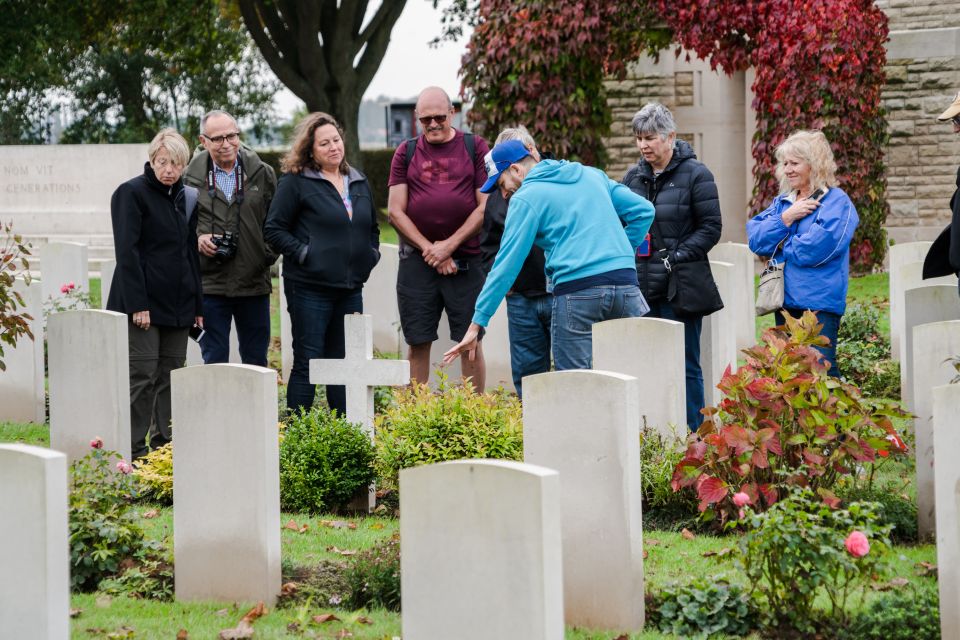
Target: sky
[[409, 64]]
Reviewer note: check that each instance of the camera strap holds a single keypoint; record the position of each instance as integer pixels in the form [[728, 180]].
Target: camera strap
[[212, 190]]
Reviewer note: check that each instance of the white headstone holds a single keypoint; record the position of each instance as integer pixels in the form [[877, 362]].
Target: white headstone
[[195, 356], [743, 300], [380, 302], [910, 276], [286, 332], [586, 425], [496, 351], [898, 255], [651, 350], [62, 263], [107, 267], [946, 446], [226, 483], [89, 377], [932, 344], [22, 395], [718, 333], [34, 555], [481, 552], [923, 305]]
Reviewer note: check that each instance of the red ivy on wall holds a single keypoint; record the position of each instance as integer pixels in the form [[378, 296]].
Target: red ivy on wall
[[819, 64]]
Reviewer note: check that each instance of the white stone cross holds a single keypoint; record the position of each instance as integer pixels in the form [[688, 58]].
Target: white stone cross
[[359, 371]]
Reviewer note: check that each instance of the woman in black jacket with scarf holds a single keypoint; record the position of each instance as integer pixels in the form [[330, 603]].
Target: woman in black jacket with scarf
[[323, 221], [688, 218], [156, 282]]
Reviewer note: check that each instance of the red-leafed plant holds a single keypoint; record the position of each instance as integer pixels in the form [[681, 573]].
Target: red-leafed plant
[[783, 423]]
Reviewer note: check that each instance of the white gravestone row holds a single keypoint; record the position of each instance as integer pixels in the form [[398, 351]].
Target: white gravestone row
[[742, 300], [897, 256], [481, 553], [63, 263], [946, 447], [87, 399], [107, 267], [22, 384], [932, 343], [718, 334], [34, 556], [910, 277], [923, 305], [651, 350], [239, 558]]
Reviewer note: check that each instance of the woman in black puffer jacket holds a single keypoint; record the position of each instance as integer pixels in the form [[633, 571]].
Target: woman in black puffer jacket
[[688, 216]]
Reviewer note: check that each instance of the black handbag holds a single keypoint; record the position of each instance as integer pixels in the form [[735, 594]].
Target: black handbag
[[691, 290]]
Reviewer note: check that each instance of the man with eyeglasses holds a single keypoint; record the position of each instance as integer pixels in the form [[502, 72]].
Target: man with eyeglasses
[[235, 190], [437, 208]]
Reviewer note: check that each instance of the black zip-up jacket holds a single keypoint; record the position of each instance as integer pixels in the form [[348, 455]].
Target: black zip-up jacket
[[531, 282], [320, 243], [158, 269], [687, 209], [943, 257]]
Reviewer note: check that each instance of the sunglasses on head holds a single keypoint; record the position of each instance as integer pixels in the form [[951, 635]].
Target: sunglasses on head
[[440, 119]]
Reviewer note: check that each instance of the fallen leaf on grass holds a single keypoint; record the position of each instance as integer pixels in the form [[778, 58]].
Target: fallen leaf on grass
[[377, 525], [75, 613], [645, 554], [122, 633], [153, 513], [342, 552], [926, 569], [325, 617], [687, 534], [343, 633], [651, 541], [293, 627], [895, 583], [96, 631], [720, 553], [339, 524], [183, 635], [297, 528], [223, 612], [622, 636], [244, 629], [364, 620], [289, 588]]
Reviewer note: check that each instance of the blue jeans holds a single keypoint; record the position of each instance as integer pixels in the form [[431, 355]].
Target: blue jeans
[[316, 322], [528, 320], [691, 357], [831, 326], [574, 315], [252, 316]]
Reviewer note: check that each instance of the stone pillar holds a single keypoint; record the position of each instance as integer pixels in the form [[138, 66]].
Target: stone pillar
[[35, 552], [586, 425], [481, 552], [22, 393], [226, 483]]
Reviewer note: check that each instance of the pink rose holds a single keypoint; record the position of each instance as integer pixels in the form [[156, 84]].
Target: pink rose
[[96, 443], [741, 514], [741, 499], [70, 285], [124, 467], [64, 289], [857, 544]]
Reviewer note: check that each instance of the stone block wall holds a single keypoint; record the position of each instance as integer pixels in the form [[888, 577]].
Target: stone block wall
[[625, 98], [921, 14]]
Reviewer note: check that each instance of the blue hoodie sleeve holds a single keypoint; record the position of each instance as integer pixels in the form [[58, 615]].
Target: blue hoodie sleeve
[[766, 230], [635, 211], [519, 232], [828, 235]]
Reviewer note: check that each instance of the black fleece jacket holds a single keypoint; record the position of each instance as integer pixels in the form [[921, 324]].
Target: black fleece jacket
[[158, 269], [321, 245], [687, 212]]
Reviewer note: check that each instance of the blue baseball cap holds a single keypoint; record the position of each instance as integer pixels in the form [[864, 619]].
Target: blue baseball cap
[[500, 157]]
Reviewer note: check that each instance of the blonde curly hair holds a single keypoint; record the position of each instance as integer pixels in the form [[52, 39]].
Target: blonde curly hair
[[813, 148]]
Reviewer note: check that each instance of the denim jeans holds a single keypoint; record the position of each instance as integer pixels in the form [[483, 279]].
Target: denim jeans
[[252, 317], [316, 322], [691, 353], [831, 326], [574, 315], [528, 320]]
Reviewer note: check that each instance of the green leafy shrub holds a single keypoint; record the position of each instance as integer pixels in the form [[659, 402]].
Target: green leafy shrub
[[374, 577], [783, 423], [895, 509], [324, 461], [863, 353], [154, 472], [704, 608], [105, 538], [663, 508], [151, 579], [910, 614], [455, 422], [800, 548]]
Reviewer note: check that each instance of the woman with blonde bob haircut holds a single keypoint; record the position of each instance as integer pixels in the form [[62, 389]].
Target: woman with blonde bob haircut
[[156, 281], [323, 221], [808, 228]]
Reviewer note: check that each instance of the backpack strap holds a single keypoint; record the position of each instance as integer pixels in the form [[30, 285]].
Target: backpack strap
[[468, 139], [190, 195], [411, 148]]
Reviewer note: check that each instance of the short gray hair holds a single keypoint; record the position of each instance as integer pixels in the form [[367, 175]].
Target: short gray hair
[[175, 145], [518, 132], [210, 114], [654, 118]]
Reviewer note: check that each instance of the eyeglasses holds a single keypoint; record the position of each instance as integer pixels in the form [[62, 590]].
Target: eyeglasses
[[440, 119], [219, 140]]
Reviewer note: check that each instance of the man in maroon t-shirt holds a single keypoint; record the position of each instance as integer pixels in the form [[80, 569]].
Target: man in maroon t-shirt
[[436, 206]]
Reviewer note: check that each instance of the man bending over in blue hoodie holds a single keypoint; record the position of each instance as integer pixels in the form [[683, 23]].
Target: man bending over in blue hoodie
[[578, 216]]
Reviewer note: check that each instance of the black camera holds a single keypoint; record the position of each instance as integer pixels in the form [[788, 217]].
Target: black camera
[[226, 247]]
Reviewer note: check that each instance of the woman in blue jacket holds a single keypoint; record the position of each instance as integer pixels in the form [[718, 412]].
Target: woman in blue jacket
[[323, 221], [808, 229]]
